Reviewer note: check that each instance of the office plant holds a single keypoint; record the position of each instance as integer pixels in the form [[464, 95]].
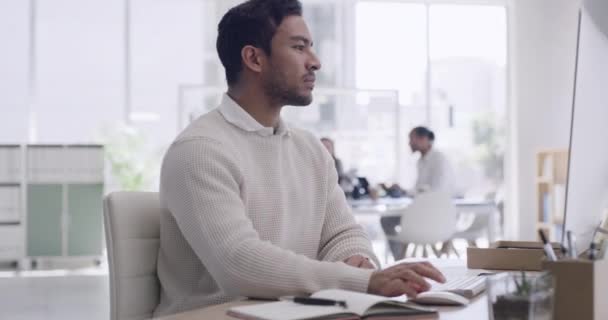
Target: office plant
[[130, 162], [521, 296]]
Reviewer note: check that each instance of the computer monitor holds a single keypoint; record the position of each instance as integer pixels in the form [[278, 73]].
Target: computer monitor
[[587, 187]]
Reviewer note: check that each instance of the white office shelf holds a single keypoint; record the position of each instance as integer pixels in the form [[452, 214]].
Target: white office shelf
[[50, 201], [10, 163], [65, 163], [10, 203]]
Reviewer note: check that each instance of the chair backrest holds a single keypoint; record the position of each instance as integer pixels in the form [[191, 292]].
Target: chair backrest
[[132, 226], [471, 226], [430, 218]]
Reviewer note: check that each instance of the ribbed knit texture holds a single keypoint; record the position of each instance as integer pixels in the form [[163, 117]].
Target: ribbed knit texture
[[252, 213]]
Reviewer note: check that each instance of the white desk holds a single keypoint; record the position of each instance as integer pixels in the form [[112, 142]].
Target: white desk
[[477, 310], [388, 206]]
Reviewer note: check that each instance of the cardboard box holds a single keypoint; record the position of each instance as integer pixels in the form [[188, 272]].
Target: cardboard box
[[581, 289], [509, 255]]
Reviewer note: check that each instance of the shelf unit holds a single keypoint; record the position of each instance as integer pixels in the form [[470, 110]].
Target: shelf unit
[[551, 179], [58, 210], [12, 193]]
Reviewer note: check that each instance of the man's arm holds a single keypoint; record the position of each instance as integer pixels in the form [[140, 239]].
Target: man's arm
[[202, 191], [342, 237]]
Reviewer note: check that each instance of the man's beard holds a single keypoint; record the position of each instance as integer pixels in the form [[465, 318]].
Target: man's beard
[[276, 88]]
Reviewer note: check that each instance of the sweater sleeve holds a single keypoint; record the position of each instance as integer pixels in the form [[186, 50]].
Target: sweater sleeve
[[342, 237], [202, 191]]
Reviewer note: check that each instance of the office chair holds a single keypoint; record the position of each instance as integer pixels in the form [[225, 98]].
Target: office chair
[[132, 226], [474, 226], [428, 220]]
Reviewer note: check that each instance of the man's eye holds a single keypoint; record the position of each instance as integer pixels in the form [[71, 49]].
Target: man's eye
[[299, 48]]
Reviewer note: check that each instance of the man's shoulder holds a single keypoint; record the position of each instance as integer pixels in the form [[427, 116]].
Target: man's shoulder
[[209, 132], [211, 129], [440, 154], [440, 158], [307, 142], [305, 137], [301, 134], [203, 126]]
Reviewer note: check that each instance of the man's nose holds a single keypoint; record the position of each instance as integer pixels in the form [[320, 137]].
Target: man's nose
[[314, 63]]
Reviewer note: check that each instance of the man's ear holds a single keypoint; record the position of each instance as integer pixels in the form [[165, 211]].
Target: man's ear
[[253, 58]]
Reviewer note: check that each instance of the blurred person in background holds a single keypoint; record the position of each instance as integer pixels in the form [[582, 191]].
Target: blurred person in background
[[434, 170], [329, 145], [434, 174]]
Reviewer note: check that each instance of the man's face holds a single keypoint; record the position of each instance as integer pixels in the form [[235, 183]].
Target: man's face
[[413, 142], [289, 77], [419, 143]]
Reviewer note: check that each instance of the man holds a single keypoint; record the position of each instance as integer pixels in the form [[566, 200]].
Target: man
[[252, 206], [434, 173], [329, 145]]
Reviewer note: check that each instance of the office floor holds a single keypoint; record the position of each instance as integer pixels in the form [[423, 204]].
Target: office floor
[[54, 294]]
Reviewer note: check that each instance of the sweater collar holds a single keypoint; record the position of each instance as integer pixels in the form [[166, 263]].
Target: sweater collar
[[236, 115]]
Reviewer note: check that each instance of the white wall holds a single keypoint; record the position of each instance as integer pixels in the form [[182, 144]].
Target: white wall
[[543, 47], [77, 84], [78, 76], [14, 37]]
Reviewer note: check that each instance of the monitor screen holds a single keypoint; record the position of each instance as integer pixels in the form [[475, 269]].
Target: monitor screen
[[587, 189]]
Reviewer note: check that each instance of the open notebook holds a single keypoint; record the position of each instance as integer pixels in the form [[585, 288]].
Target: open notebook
[[359, 306]]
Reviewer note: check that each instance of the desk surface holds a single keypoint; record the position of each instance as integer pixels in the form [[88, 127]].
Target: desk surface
[[478, 309], [400, 202]]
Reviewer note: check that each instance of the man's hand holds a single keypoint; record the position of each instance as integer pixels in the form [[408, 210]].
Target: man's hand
[[359, 261], [404, 278]]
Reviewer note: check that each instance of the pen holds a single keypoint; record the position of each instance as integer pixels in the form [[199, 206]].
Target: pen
[[593, 245], [592, 248], [315, 301], [595, 231], [547, 246], [602, 230], [572, 245], [602, 251]]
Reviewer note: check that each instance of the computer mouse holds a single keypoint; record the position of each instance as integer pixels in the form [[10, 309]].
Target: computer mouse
[[443, 298]]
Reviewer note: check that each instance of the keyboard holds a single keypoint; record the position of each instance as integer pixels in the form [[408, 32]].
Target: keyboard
[[466, 286]]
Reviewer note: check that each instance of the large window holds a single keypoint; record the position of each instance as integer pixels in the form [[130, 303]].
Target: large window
[[468, 90], [448, 63], [387, 66]]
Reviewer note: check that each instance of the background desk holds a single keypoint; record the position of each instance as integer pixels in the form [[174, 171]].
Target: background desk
[[388, 207], [477, 310]]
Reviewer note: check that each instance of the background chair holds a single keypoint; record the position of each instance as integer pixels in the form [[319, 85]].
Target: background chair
[[132, 226], [428, 220], [472, 227]]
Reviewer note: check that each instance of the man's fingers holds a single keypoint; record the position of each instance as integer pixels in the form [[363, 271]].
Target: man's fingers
[[354, 261], [366, 264], [429, 271], [409, 291], [398, 287], [358, 260], [411, 276]]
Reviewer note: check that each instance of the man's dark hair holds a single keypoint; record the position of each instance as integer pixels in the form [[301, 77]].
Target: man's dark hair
[[250, 23], [424, 132]]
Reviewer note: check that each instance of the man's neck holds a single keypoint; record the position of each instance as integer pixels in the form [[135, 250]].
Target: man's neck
[[425, 152], [257, 104]]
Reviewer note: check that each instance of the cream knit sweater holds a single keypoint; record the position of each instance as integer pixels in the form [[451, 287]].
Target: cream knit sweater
[[250, 212]]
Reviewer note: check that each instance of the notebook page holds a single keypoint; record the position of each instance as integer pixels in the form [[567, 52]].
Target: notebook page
[[356, 302], [286, 310]]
